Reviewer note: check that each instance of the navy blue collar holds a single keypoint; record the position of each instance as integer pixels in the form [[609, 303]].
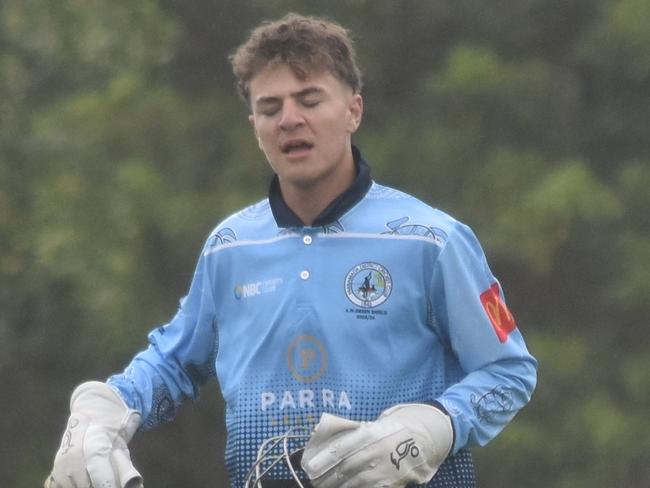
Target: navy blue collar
[[285, 217]]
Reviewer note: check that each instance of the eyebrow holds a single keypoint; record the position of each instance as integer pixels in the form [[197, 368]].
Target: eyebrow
[[310, 90]]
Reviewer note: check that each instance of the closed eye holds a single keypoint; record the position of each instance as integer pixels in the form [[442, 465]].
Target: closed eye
[[310, 97], [269, 112], [268, 106]]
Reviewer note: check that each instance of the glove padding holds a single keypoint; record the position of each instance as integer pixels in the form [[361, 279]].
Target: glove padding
[[93, 452], [406, 444]]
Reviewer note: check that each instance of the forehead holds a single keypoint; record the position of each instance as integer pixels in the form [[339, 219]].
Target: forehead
[[278, 81]]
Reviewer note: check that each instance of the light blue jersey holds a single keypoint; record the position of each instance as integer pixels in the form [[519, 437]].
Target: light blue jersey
[[392, 302]]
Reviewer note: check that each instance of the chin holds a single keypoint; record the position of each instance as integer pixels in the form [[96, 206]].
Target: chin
[[301, 173], [301, 181]]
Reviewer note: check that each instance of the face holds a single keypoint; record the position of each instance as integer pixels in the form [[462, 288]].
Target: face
[[304, 127]]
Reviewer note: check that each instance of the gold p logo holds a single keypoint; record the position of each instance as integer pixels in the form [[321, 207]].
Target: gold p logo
[[306, 358], [307, 355]]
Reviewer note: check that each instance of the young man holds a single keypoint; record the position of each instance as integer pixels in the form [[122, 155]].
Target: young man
[[336, 304]]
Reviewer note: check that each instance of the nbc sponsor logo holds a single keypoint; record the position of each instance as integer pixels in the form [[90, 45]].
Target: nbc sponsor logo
[[256, 288]]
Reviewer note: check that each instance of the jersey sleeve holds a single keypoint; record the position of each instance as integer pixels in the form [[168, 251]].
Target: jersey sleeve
[[500, 373], [180, 357]]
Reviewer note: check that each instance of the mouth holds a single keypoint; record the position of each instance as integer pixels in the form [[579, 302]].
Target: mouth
[[296, 146]]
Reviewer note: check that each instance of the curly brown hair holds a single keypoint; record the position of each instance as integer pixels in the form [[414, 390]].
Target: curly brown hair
[[304, 44]]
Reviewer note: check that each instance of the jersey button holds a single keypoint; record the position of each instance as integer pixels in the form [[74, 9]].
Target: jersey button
[[307, 239], [304, 274]]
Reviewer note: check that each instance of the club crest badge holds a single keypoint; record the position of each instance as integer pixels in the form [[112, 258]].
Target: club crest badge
[[368, 285]]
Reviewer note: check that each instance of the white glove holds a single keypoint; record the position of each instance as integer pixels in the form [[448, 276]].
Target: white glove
[[406, 444], [93, 452]]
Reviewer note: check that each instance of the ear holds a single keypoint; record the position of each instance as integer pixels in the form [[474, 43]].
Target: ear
[[251, 119], [355, 112]]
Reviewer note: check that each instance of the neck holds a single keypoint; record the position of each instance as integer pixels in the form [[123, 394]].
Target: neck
[[308, 201]]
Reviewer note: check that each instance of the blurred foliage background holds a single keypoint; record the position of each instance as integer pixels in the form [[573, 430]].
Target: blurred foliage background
[[122, 143]]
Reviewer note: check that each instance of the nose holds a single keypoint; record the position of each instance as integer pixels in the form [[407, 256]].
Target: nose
[[291, 116]]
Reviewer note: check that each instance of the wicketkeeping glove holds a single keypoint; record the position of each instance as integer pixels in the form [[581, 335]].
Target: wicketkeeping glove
[[406, 444], [93, 452]]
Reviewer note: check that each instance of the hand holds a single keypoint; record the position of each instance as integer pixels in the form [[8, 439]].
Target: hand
[[406, 444], [94, 451]]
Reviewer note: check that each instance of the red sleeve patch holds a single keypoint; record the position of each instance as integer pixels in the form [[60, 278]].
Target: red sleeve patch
[[498, 313]]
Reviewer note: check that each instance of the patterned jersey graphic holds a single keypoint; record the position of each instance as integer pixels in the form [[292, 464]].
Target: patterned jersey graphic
[[401, 227], [224, 236]]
